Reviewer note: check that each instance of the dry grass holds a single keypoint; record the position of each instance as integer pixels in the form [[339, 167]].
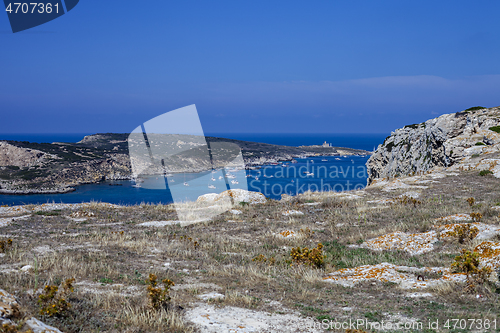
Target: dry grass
[[111, 256]]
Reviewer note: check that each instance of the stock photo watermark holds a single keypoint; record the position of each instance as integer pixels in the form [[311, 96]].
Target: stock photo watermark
[[206, 177], [29, 14], [332, 178], [410, 325]]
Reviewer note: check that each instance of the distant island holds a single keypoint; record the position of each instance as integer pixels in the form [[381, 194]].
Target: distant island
[[47, 168]]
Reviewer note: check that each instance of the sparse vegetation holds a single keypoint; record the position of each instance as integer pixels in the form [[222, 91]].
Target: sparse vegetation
[[413, 126], [495, 129], [10, 328], [476, 216], [262, 258], [468, 262], [190, 241], [485, 173], [53, 301], [159, 298], [245, 260], [49, 213], [475, 108], [313, 257], [5, 245], [406, 200], [464, 233]]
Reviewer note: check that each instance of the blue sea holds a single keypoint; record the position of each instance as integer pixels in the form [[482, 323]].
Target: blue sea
[[333, 173]]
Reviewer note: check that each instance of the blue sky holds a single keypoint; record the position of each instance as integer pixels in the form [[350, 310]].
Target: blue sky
[[250, 66]]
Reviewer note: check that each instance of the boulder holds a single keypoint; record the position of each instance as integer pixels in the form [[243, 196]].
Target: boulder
[[9, 307], [238, 195], [38, 327]]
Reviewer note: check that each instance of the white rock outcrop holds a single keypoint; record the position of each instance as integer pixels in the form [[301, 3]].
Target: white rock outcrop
[[237, 195], [406, 277], [449, 140]]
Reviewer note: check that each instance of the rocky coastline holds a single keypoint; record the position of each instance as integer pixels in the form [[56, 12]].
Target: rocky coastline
[[54, 168]]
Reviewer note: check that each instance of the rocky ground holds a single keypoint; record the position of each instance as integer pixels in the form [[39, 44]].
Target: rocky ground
[[239, 276]]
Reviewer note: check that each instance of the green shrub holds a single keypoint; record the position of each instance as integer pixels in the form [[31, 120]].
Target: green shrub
[[485, 172], [468, 262], [475, 108], [464, 232], [313, 257], [406, 200], [10, 328], [5, 245], [262, 258], [413, 126], [476, 216], [495, 129], [51, 213], [104, 281], [53, 300], [158, 297]]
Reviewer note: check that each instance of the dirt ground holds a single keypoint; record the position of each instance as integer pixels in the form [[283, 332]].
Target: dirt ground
[[110, 255]]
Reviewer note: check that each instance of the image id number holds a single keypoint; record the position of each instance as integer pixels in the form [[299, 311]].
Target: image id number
[[32, 7]]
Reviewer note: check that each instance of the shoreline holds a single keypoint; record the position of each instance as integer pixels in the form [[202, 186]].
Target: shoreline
[[251, 165]]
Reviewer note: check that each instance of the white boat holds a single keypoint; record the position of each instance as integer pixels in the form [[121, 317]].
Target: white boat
[[186, 184], [220, 177], [230, 176], [324, 160], [211, 186], [256, 178], [136, 185], [234, 182], [212, 179], [172, 181], [338, 159]]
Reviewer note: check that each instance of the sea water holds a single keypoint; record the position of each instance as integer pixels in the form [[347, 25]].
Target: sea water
[[332, 173]]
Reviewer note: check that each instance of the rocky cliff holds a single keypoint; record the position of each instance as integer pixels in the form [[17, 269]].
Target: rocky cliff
[[468, 139]]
